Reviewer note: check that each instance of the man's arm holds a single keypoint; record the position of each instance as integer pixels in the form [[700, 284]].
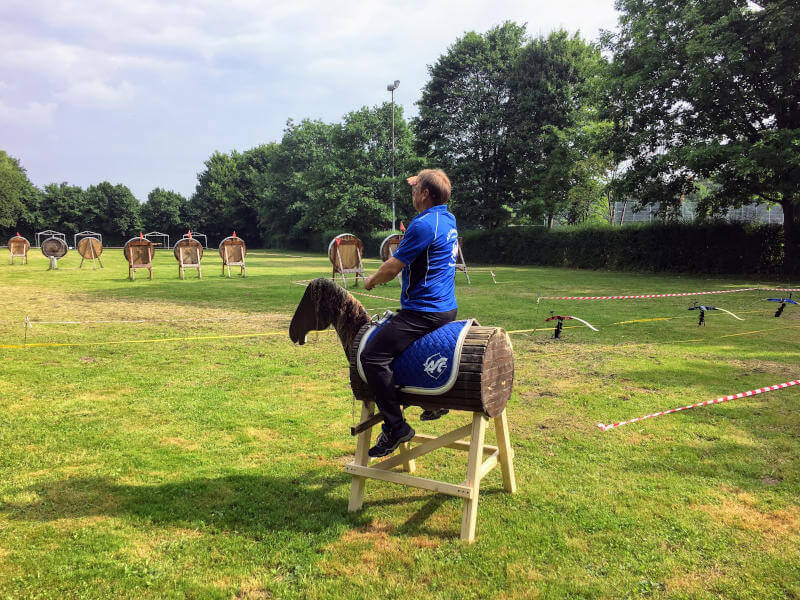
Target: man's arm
[[387, 272]]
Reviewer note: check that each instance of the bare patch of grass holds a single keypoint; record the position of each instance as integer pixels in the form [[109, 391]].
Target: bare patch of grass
[[741, 512], [180, 442], [695, 581]]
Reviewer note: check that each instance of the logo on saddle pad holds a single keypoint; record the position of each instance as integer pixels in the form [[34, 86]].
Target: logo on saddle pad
[[435, 365]]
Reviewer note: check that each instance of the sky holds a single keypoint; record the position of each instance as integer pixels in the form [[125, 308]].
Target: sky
[[142, 93]]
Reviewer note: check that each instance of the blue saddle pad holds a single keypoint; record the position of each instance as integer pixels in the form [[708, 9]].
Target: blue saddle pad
[[429, 365]]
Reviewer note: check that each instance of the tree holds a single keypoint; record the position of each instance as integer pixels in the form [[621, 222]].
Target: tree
[[554, 126], [163, 212], [114, 211], [64, 208], [18, 196], [325, 176], [710, 89], [225, 199], [364, 153], [463, 123]]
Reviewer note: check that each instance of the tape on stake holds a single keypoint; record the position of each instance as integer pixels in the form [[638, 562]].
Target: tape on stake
[[763, 390]]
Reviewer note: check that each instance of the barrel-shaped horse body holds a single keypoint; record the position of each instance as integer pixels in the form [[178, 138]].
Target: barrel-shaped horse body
[[485, 375]]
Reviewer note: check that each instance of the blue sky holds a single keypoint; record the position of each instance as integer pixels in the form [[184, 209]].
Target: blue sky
[[141, 93]]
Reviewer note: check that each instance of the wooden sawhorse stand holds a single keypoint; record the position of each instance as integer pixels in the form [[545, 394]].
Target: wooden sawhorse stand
[[478, 464], [19, 246], [234, 257], [189, 258]]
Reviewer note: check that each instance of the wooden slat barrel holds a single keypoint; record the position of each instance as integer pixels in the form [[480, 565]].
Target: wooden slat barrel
[[485, 375]]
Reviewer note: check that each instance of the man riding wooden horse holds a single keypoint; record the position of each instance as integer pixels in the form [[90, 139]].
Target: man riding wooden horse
[[425, 258], [420, 357]]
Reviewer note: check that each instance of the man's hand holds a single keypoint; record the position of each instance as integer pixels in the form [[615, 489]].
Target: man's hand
[[387, 272]]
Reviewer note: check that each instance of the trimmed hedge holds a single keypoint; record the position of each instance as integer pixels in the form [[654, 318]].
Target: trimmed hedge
[[714, 248]]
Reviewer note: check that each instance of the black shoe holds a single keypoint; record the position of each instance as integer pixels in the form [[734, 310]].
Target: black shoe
[[432, 415], [388, 442]]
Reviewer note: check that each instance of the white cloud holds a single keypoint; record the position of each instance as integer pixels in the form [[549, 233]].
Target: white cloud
[[182, 77], [34, 114], [98, 94]]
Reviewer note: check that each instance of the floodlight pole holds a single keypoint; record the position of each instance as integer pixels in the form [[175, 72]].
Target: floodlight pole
[[391, 88]]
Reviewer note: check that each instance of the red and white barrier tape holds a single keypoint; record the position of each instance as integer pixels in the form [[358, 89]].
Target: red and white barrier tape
[[706, 403], [646, 295]]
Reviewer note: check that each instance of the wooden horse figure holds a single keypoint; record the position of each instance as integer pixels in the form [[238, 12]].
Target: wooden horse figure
[[480, 379]]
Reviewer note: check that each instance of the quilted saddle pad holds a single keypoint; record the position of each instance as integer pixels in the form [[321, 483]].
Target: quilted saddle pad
[[429, 366]]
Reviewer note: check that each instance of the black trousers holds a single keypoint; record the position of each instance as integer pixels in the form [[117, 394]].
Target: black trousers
[[388, 342]]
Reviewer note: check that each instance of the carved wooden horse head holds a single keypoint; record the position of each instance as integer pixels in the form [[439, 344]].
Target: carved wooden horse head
[[324, 304]]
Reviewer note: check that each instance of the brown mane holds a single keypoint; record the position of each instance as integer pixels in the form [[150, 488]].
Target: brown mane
[[324, 304]]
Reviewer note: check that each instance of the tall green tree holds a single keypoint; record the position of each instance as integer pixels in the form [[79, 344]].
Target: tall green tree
[[114, 210], [163, 212], [464, 122], [64, 208], [290, 205], [553, 119], [224, 198], [325, 176], [710, 89], [364, 154], [18, 196]]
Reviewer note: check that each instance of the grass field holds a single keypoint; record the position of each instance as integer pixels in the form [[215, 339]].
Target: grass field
[[201, 455]]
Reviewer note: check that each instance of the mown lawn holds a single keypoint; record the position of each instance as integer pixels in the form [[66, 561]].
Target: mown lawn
[[204, 458]]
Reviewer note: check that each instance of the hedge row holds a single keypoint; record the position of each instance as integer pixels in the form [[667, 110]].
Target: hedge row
[[718, 248], [714, 248]]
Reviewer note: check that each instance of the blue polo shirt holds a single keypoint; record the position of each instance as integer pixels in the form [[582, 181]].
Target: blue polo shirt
[[429, 250]]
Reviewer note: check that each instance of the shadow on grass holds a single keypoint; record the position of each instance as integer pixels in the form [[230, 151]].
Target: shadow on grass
[[250, 505]]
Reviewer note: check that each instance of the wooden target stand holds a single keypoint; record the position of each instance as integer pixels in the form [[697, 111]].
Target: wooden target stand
[[139, 254], [188, 252], [461, 265], [345, 252], [482, 458], [18, 246], [232, 250], [389, 245], [90, 248]]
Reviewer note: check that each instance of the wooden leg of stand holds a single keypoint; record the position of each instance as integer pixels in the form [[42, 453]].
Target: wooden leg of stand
[[470, 514], [408, 466], [505, 452], [361, 459]]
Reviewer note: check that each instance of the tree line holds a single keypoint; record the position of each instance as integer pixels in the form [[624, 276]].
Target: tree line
[[685, 99]]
